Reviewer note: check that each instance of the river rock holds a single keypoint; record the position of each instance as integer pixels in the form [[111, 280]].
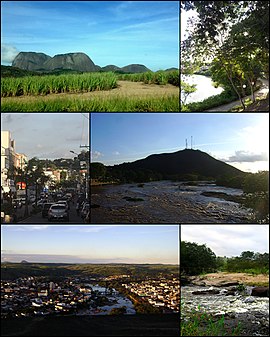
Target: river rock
[[206, 292], [260, 291]]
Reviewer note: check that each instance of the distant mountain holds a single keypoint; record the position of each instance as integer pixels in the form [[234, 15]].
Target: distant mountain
[[25, 262], [171, 69], [30, 61], [42, 62], [80, 62], [135, 68], [73, 61], [110, 67], [180, 163]]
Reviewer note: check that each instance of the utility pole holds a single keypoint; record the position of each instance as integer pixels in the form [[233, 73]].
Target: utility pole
[[186, 143], [87, 172]]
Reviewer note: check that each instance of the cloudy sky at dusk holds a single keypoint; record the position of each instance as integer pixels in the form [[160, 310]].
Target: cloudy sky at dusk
[[109, 32], [90, 243], [228, 240], [241, 140], [47, 135]]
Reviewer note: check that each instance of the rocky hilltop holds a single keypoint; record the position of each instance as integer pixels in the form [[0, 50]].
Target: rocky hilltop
[[71, 61], [42, 62], [30, 61]]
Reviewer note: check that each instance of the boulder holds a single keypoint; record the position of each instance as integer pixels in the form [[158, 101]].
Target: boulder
[[206, 292], [260, 291]]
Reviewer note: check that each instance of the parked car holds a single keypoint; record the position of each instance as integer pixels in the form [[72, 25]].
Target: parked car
[[17, 203], [45, 209], [58, 212], [63, 202], [40, 203]]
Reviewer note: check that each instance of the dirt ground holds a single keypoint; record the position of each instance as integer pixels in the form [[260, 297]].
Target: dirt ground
[[125, 89], [244, 278]]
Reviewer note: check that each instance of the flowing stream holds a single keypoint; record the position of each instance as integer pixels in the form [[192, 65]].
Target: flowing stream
[[165, 202], [251, 311]]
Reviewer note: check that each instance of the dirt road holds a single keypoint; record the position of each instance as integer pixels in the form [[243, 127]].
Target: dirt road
[[262, 92]]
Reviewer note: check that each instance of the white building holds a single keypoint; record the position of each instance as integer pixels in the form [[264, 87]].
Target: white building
[[7, 161]]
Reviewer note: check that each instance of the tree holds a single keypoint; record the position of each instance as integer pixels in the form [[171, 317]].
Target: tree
[[196, 259], [98, 171], [185, 90]]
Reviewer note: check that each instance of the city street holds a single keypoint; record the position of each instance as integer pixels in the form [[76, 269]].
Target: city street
[[37, 218]]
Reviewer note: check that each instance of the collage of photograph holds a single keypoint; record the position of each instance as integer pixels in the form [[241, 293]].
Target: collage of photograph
[[134, 168]]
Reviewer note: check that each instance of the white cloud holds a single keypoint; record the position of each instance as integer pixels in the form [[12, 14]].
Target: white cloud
[[246, 156], [116, 153], [228, 240], [8, 53], [96, 155]]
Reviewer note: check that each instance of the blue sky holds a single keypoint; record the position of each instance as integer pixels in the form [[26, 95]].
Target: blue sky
[[228, 240], [90, 243], [109, 32], [242, 140], [47, 135]]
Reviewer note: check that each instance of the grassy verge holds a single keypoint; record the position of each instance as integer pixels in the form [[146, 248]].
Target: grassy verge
[[200, 323], [114, 104], [210, 102]]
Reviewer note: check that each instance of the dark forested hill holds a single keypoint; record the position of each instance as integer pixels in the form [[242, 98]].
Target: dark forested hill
[[181, 163]]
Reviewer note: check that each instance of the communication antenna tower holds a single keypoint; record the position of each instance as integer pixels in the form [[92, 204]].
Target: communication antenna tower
[[191, 143], [186, 143]]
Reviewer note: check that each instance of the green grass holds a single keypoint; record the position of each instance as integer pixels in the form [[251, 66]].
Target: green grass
[[48, 84], [209, 103], [202, 324], [114, 104], [160, 77]]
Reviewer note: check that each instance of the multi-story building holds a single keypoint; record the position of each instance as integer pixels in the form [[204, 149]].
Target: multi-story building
[[7, 161]]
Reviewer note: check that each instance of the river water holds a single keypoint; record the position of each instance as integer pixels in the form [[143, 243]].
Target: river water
[[252, 312], [165, 202], [204, 87], [117, 301]]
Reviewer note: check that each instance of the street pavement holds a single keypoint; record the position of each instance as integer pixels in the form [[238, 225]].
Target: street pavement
[[37, 218]]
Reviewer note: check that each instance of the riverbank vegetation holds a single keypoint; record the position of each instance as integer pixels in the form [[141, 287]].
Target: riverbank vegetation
[[201, 323], [235, 43], [199, 259]]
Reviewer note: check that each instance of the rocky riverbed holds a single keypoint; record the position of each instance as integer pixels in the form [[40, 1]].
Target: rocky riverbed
[[166, 202], [231, 299]]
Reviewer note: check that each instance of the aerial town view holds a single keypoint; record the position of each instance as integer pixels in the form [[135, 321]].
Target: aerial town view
[[137, 283]]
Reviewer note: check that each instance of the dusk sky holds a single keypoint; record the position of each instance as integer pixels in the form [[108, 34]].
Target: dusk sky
[[109, 32], [241, 140], [47, 135], [90, 243], [228, 240]]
